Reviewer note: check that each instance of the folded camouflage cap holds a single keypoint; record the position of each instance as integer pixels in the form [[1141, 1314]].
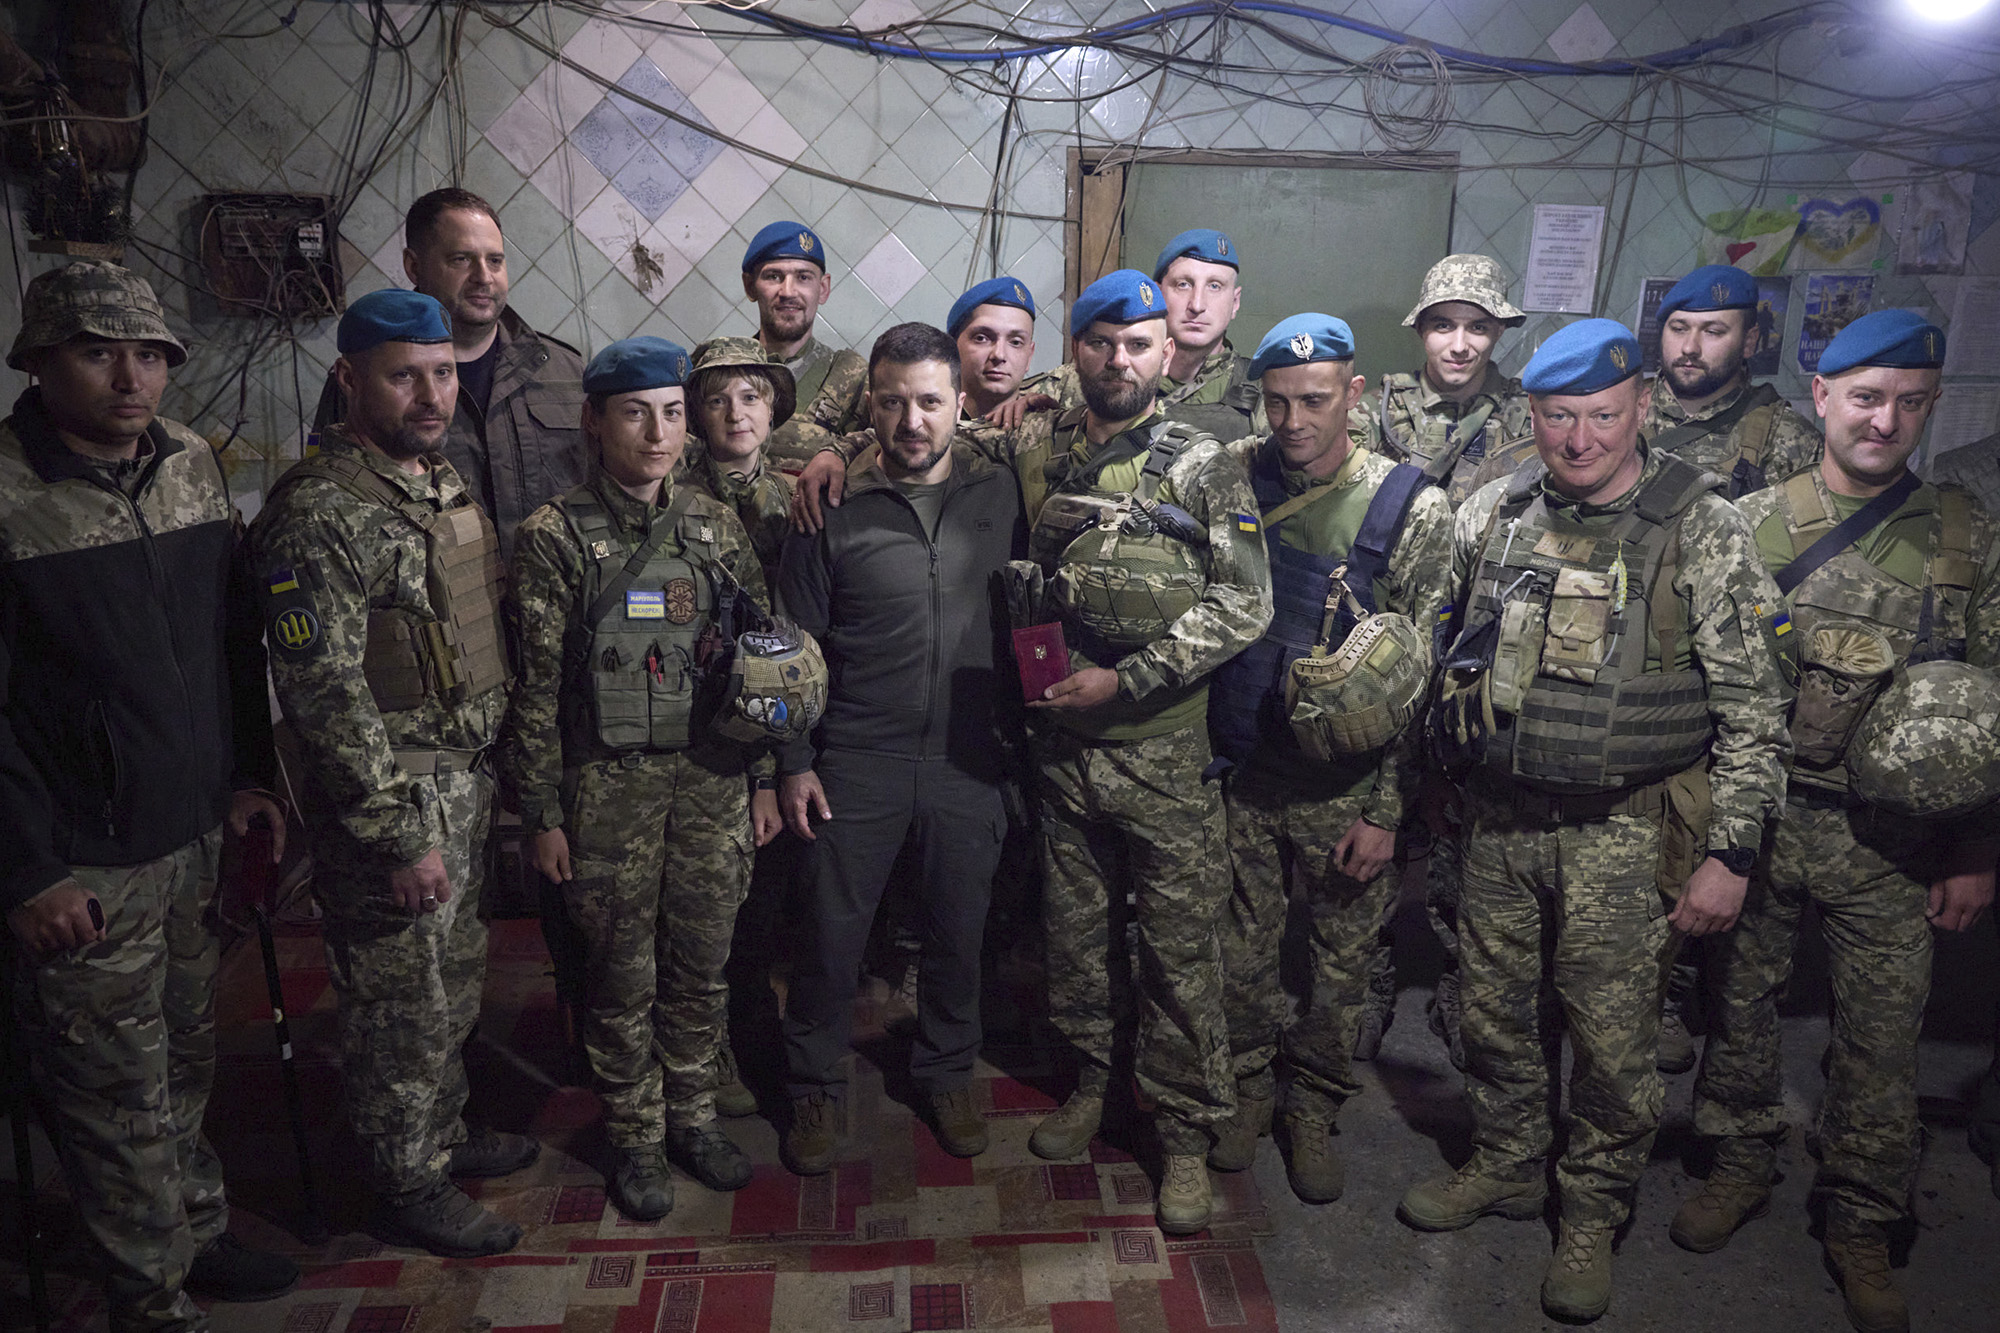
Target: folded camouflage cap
[[724, 354], [91, 297], [1472, 278]]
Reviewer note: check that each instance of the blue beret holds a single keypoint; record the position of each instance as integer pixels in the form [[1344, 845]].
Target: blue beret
[[1303, 338], [1122, 296], [1900, 338], [994, 291], [1582, 358], [1203, 243], [1711, 287], [784, 240], [391, 315], [631, 364]]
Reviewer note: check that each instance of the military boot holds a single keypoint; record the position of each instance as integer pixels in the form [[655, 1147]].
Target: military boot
[[900, 1012], [444, 1221], [709, 1155], [732, 1098], [640, 1187], [489, 1154], [1185, 1203], [1066, 1131], [1859, 1254], [812, 1140], [1676, 1050], [1312, 1164], [960, 1128], [228, 1270], [1461, 1199], [1378, 1010], [1578, 1283], [1706, 1221], [1444, 1011], [1236, 1138]]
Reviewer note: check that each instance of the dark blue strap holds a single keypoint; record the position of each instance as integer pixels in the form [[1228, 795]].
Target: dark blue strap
[[1381, 529]]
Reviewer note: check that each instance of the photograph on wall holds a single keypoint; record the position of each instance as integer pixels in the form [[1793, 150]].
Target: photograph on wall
[[1837, 234], [1774, 300], [1937, 217], [1833, 301]]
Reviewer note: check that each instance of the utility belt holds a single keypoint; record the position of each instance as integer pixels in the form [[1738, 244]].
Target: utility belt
[[440, 763], [1553, 808], [1821, 798]]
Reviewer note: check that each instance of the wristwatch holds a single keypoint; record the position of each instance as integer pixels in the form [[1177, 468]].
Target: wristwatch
[[1737, 859], [763, 784]]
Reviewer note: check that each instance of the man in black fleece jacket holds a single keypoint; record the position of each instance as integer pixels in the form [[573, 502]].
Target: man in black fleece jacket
[[899, 587]]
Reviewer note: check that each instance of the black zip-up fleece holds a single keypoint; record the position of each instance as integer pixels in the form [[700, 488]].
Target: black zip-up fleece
[[913, 631], [132, 699]]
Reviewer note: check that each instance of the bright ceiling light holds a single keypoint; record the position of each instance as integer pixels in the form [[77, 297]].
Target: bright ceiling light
[[1945, 11]]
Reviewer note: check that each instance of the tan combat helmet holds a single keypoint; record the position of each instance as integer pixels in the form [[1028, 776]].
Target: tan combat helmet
[[1471, 278], [91, 297], [1930, 747]]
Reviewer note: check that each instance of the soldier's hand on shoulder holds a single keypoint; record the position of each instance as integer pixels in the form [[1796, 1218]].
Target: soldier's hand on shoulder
[[824, 480], [61, 917], [1010, 414]]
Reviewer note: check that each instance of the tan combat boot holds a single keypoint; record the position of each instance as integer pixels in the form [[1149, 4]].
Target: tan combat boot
[[1312, 1165], [1066, 1131], [1184, 1204], [1706, 1221], [1236, 1138], [733, 1099], [1578, 1284], [1464, 1198], [1860, 1257], [812, 1141]]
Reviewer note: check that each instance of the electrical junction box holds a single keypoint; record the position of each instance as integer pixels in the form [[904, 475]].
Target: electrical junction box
[[271, 254]]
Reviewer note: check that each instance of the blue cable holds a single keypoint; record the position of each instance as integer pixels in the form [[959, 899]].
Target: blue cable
[[1735, 39]]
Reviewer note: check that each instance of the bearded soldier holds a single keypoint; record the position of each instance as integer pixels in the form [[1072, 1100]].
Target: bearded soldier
[[1892, 628], [784, 272]]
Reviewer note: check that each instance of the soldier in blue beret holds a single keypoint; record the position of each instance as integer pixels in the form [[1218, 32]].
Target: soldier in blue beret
[[637, 808], [1611, 699], [1705, 409], [994, 324], [1321, 828], [1881, 573], [785, 273]]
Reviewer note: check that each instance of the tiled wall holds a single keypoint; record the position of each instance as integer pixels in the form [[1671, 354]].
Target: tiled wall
[[621, 221]]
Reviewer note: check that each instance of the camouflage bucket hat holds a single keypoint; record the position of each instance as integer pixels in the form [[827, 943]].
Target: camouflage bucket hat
[[91, 297], [1473, 278], [1930, 747], [718, 355]]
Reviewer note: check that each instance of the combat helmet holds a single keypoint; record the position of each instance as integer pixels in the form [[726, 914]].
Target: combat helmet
[[1358, 697], [777, 685], [1930, 747], [1135, 568]]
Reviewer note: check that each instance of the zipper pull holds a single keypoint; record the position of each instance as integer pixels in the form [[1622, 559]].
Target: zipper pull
[[934, 559]]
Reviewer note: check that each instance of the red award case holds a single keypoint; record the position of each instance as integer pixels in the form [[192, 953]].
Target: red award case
[[1042, 656]]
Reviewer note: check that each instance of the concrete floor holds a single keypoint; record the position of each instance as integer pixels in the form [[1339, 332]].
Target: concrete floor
[[1351, 1266]]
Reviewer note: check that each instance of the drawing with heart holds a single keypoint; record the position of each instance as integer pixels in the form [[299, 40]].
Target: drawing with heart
[[1835, 234]]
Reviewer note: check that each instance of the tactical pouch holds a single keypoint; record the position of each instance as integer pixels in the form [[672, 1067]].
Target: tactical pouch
[[1847, 664], [1689, 808], [1518, 655], [1577, 640]]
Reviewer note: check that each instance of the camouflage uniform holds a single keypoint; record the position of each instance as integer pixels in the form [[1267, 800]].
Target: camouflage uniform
[[1867, 872], [1287, 812], [660, 842], [1220, 399], [1591, 878], [830, 381], [1124, 807], [1421, 421], [1750, 422], [409, 987], [761, 501]]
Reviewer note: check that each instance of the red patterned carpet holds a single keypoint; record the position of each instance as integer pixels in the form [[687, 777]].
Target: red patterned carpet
[[900, 1236]]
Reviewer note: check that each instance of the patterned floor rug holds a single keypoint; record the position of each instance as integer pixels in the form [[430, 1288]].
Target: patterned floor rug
[[899, 1236]]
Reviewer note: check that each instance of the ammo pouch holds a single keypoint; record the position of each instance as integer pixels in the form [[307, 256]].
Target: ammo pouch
[[1576, 641], [1846, 664]]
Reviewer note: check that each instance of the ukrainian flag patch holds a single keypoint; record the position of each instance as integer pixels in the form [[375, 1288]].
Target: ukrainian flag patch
[[283, 580], [1444, 614], [1248, 523], [1781, 623]]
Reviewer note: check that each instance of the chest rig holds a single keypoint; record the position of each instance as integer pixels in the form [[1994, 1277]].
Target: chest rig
[[1229, 417], [1750, 422], [638, 657], [1574, 674], [458, 652]]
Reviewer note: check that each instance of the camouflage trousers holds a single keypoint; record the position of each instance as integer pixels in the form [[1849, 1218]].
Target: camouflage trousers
[[409, 990], [123, 1038], [1280, 845], [660, 849], [1579, 902], [1133, 819], [1869, 875]]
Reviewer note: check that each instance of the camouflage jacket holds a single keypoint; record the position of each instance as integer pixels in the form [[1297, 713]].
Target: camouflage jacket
[[1880, 579], [829, 382], [132, 695], [527, 446], [762, 502], [1219, 399], [1975, 466], [547, 591], [1419, 423], [1765, 432], [1418, 586], [348, 557], [1728, 600]]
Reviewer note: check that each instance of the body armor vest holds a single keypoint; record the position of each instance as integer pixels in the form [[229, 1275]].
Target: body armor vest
[[1853, 624], [1591, 686], [1227, 419], [1756, 412], [637, 658], [460, 653], [1438, 455]]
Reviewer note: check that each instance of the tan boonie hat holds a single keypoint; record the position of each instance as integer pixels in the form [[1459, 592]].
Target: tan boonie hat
[[720, 354], [1472, 278], [91, 297]]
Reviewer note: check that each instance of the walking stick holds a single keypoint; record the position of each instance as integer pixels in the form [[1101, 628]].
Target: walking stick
[[311, 1226]]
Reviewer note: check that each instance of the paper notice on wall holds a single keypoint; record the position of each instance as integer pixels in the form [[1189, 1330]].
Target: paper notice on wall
[[1965, 412], [1937, 215], [1972, 343], [1562, 258]]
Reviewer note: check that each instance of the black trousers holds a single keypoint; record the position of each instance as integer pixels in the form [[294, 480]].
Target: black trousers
[[957, 822]]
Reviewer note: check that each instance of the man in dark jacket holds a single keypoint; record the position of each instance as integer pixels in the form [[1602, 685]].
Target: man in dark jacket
[[132, 725], [899, 587], [514, 436]]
